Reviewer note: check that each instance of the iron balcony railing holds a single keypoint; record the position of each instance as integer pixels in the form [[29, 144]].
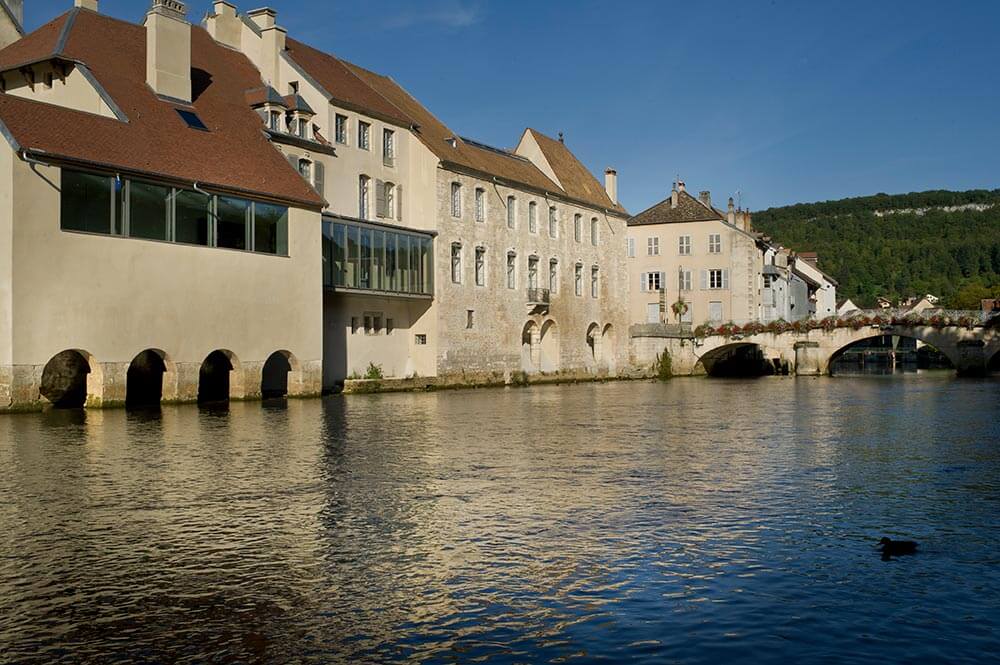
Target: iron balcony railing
[[538, 296]]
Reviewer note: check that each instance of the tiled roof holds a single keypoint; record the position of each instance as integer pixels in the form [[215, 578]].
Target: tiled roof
[[689, 209], [265, 95], [233, 155], [576, 180]]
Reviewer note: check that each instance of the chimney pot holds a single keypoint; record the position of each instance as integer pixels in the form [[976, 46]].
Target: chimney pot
[[265, 17], [681, 187], [706, 198], [610, 183]]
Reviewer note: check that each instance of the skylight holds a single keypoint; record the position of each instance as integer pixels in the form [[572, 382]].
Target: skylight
[[192, 119]]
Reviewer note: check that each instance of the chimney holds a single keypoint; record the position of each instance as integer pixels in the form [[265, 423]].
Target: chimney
[[674, 197], [272, 44], [705, 198], [224, 25], [681, 187], [168, 50], [83, 4], [731, 217], [611, 184]]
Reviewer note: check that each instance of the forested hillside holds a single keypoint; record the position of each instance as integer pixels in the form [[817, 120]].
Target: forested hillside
[[899, 245]]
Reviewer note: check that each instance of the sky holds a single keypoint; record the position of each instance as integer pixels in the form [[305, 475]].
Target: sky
[[773, 101]]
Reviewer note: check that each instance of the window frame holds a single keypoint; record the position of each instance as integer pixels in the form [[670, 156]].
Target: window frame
[[456, 263], [364, 135], [684, 245], [340, 122], [512, 270], [456, 200], [480, 266], [595, 232], [715, 243], [480, 200]]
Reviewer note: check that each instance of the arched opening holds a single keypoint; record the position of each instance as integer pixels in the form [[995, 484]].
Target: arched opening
[[738, 360], [144, 380], [530, 347], [886, 355], [274, 378], [550, 361], [608, 342], [67, 380], [593, 344], [215, 384]]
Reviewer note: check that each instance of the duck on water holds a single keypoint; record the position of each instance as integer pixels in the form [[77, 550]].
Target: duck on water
[[891, 548]]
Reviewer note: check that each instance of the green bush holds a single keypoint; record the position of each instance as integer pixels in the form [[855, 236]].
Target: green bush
[[664, 366], [374, 372]]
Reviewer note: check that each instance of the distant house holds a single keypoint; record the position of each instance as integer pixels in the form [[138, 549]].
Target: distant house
[[883, 303], [991, 305], [847, 307], [920, 305]]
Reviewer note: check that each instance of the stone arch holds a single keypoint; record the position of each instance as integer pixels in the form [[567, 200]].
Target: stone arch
[[593, 341], [281, 376], [608, 346], [733, 359], [550, 360], [220, 378], [945, 349], [530, 348], [72, 379], [150, 380]]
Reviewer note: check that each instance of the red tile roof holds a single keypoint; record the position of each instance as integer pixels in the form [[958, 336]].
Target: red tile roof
[[233, 155]]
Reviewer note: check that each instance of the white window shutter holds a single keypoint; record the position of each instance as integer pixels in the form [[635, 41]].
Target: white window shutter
[[663, 281], [380, 204], [642, 284], [319, 175], [725, 279], [399, 203], [704, 280]]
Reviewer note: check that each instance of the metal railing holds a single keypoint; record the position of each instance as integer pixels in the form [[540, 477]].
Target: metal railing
[[539, 296]]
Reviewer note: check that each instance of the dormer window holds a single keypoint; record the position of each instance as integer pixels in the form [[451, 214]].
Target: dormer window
[[302, 128], [274, 120], [305, 169]]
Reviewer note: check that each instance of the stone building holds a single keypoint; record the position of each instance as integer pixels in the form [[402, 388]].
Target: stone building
[[683, 250], [156, 245]]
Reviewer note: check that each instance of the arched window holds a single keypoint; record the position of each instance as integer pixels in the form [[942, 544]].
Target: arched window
[[532, 272], [480, 266], [595, 274], [553, 222], [594, 232], [364, 197], [456, 263], [532, 217], [480, 204], [554, 276], [578, 228], [578, 278], [511, 212], [511, 270]]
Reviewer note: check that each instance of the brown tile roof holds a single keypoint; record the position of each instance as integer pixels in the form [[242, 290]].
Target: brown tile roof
[[689, 209], [234, 155], [346, 89], [576, 180]]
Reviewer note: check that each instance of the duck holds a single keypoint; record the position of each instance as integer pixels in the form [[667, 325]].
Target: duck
[[891, 548]]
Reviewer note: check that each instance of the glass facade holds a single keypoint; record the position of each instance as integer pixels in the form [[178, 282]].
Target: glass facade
[[108, 205], [368, 257]]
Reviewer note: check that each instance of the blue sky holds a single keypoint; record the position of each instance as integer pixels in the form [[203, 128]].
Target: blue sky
[[784, 101]]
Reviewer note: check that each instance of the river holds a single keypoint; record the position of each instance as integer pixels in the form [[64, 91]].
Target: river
[[697, 521]]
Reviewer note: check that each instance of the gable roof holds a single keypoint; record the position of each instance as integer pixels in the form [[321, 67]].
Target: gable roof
[[362, 90], [234, 155], [689, 209]]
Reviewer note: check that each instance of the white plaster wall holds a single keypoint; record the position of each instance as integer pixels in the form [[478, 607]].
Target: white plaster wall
[[73, 92]]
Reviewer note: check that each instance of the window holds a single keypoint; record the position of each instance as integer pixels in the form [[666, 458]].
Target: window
[[511, 212], [578, 228], [340, 129], [718, 279], [355, 325], [578, 278], [715, 244], [231, 223], [456, 200], [470, 319], [420, 340], [191, 217], [389, 326], [630, 247], [305, 169], [653, 281], [192, 120], [364, 135], [511, 270], [87, 202], [362, 256], [388, 147], [270, 229], [274, 121], [369, 327], [684, 245], [532, 272], [553, 222], [293, 87], [594, 281], [456, 263], [554, 276], [480, 204], [302, 128], [653, 246], [389, 192], [480, 266], [364, 196], [377, 324], [594, 232], [532, 217], [684, 280], [148, 210]]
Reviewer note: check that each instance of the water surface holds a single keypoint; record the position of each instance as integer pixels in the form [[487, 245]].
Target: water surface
[[699, 521]]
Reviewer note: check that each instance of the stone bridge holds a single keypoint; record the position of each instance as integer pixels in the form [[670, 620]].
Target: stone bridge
[[970, 340]]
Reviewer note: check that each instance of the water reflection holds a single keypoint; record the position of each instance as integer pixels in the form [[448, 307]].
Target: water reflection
[[697, 521]]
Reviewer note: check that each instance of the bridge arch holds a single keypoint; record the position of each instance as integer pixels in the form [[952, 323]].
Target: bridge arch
[[934, 339], [72, 379], [151, 378], [736, 358]]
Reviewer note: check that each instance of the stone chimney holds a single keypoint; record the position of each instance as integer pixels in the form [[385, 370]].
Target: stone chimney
[[705, 198], [168, 50], [674, 197], [611, 184], [224, 25], [83, 4], [681, 187], [731, 216], [272, 44]]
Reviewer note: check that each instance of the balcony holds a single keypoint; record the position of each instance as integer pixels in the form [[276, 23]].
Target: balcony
[[538, 300]]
